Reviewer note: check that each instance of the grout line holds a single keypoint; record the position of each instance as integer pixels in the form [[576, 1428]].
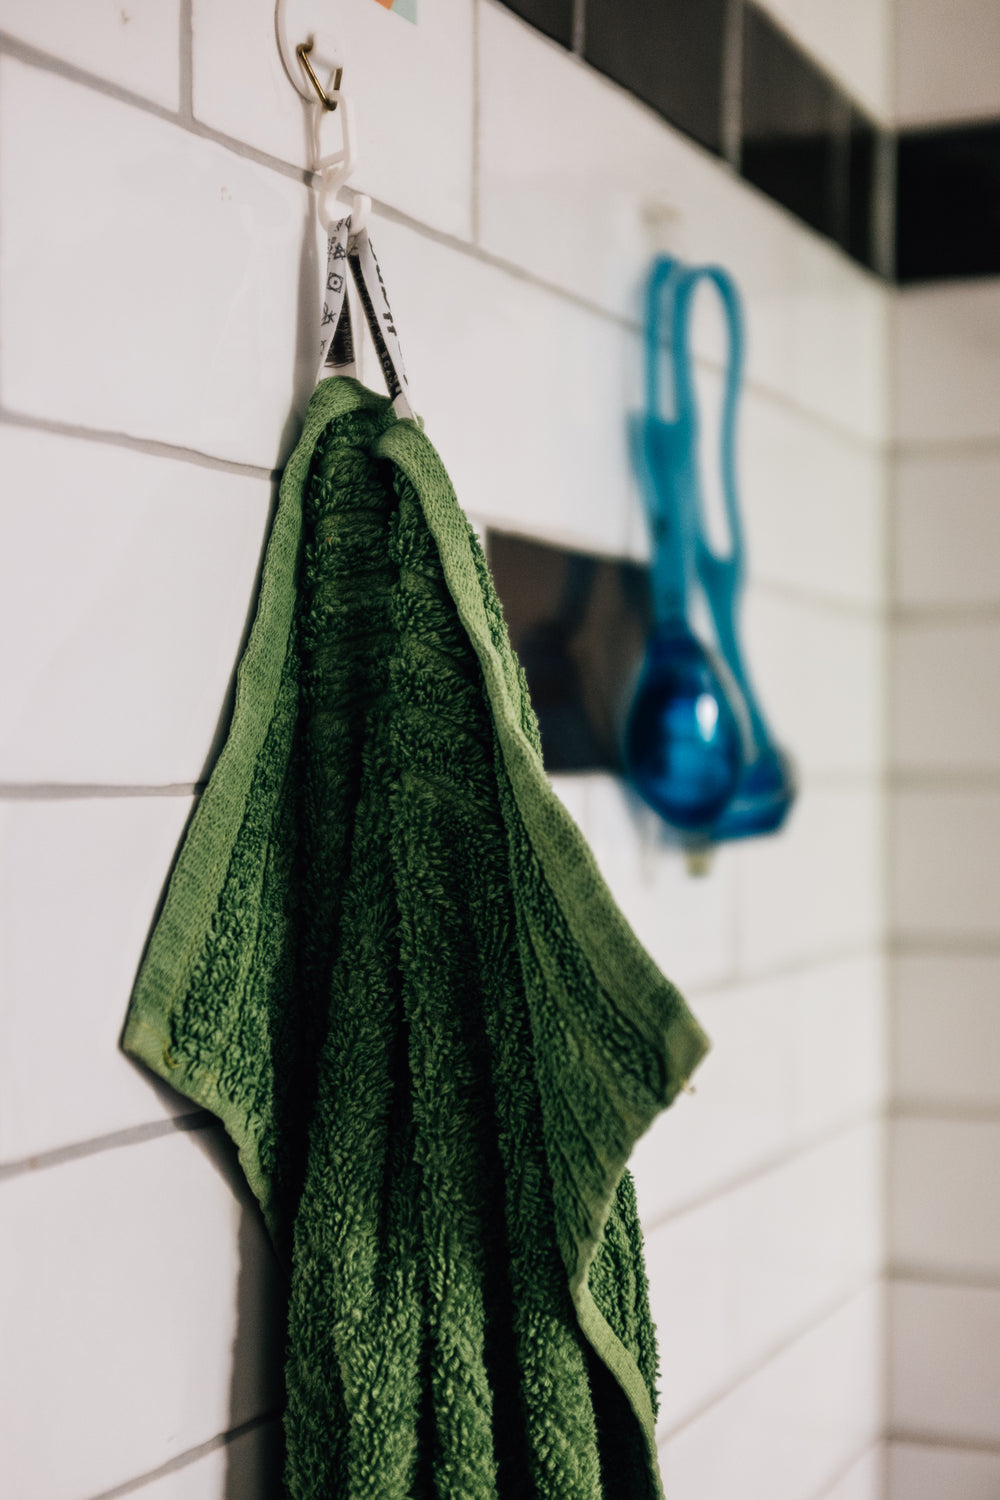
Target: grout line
[[927, 1275], [731, 130], [45, 62], [946, 614], [579, 42], [871, 1445], [885, 1373], [773, 1353], [64, 791], [839, 778], [806, 1146], [133, 1136], [941, 945], [884, 253], [972, 780], [986, 445], [858, 609], [926, 1440], [36, 57], [945, 1112], [474, 214], [883, 206], [186, 62], [137, 445], [184, 1460]]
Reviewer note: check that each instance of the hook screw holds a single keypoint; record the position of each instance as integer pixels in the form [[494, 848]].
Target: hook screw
[[302, 53]]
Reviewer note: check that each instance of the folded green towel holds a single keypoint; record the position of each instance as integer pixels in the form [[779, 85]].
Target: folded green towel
[[388, 963]]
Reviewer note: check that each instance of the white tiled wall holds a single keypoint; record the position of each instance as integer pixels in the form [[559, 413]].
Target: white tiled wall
[[158, 298], [138, 1272], [944, 1207]]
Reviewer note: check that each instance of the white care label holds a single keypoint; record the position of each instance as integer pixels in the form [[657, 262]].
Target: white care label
[[336, 347], [337, 353], [381, 323]]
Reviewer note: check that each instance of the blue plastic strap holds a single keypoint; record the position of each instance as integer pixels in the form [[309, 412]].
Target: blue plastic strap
[[661, 454], [684, 390], [720, 576]]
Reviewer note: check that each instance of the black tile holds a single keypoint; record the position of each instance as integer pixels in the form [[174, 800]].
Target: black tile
[[669, 53], [795, 128], [554, 17], [578, 624], [859, 239], [948, 203]]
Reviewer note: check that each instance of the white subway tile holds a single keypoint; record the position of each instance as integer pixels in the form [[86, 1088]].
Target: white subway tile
[[946, 1030], [841, 1059], [945, 1362], [137, 46], [944, 1200], [127, 581], [524, 394], [79, 884], [864, 1480], [793, 1425], [925, 1472], [685, 921], [249, 1466], [740, 1114], [841, 1062], [947, 361], [792, 1058], [735, 1278], [411, 89], [813, 504], [146, 1316], [820, 677], [816, 886], [852, 41], [946, 61], [945, 863], [573, 173], [190, 271], [947, 529], [946, 696]]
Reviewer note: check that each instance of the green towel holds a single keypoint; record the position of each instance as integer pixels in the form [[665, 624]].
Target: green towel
[[388, 963]]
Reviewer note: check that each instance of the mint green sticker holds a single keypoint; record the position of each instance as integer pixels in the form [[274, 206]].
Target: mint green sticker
[[406, 8]]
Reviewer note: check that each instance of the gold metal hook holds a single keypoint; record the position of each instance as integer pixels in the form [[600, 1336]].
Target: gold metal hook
[[301, 52]]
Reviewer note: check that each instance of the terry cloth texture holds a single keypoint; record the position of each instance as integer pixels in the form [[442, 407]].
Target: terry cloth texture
[[388, 963]]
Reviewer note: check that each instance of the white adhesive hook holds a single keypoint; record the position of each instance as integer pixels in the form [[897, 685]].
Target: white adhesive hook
[[335, 168], [322, 51], [362, 207]]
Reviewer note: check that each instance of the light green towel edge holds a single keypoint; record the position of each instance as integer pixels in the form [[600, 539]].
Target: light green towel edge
[[619, 961]]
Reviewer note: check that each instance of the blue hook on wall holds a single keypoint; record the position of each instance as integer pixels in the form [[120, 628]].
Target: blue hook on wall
[[697, 746]]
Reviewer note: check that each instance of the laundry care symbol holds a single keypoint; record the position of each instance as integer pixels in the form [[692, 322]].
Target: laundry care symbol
[[334, 281], [387, 315], [329, 314]]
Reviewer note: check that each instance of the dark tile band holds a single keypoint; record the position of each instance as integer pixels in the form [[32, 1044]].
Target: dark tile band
[[797, 135]]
